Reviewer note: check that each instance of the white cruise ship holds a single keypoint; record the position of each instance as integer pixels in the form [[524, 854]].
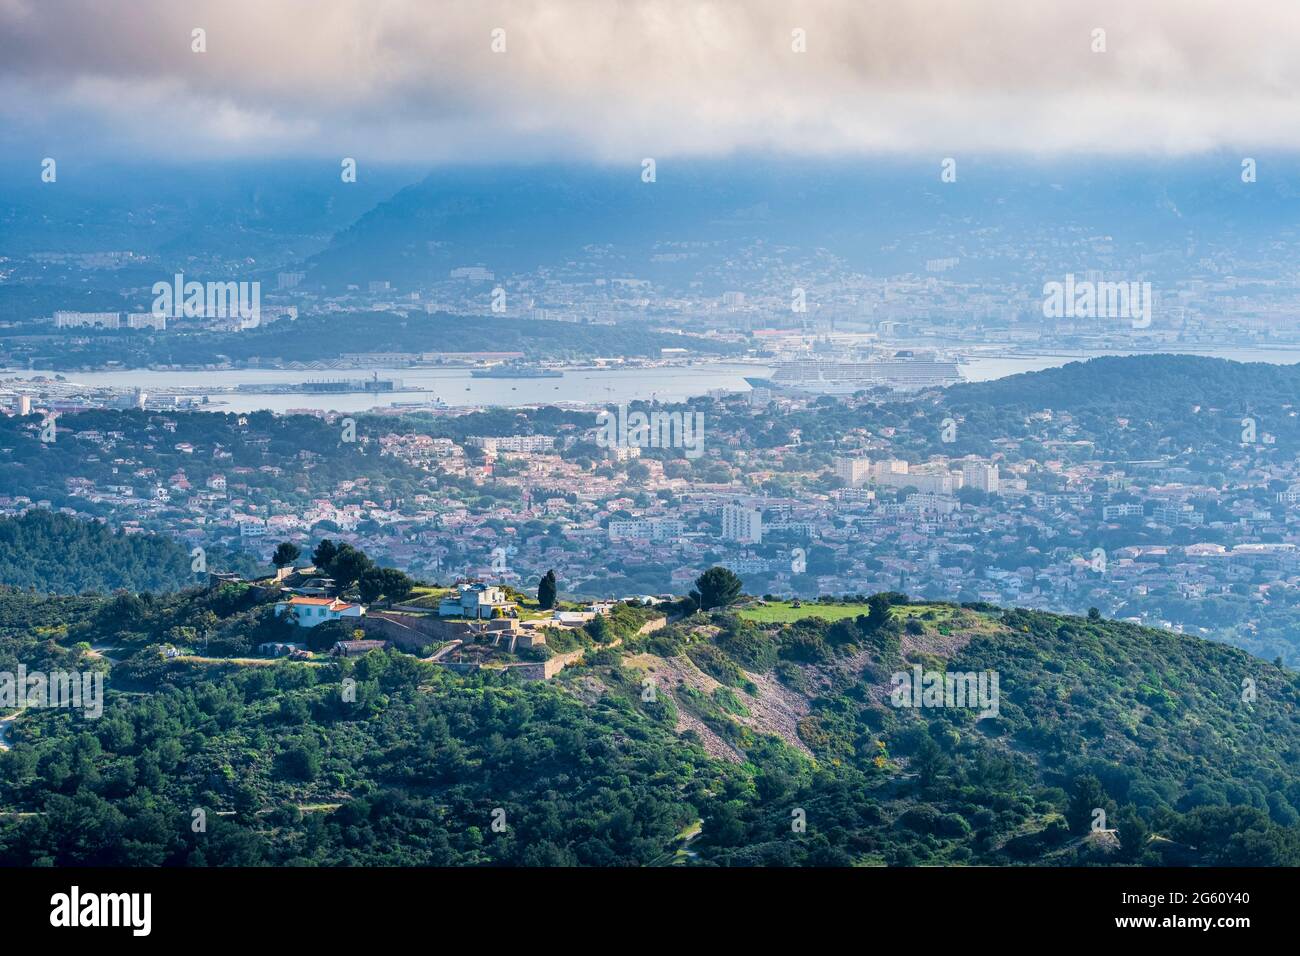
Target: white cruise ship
[[903, 371]]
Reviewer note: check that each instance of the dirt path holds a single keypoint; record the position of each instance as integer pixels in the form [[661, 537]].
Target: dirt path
[[100, 651]]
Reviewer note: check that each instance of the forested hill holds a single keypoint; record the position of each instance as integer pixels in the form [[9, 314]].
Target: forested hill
[[697, 744], [57, 554], [1129, 384], [1143, 379], [1138, 407], [1133, 407]]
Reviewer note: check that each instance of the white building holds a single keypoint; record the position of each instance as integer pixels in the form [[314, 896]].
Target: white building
[[622, 452], [1174, 515], [513, 443], [274, 313], [650, 529], [476, 601], [748, 564], [146, 320], [853, 471], [1114, 512], [472, 274], [310, 611], [980, 476], [938, 504], [928, 483], [87, 320], [742, 525]]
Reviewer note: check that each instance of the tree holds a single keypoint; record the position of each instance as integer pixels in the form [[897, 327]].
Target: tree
[[286, 553], [716, 587], [546, 589], [397, 586], [324, 636], [324, 554], [1086, 797], [877, 612], [599, 629], [387, 582], [371, 585], [1134, 834], [301, 759], [349, 565]]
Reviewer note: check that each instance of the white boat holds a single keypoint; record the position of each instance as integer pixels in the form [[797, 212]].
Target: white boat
[[903, 371]]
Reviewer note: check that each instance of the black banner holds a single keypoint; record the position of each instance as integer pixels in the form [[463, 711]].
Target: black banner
[[233, 906]]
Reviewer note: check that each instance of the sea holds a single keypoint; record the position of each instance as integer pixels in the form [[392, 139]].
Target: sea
[[456, 388]]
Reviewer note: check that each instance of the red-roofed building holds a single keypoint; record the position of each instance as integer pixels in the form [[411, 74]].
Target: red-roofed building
[[310, 611]]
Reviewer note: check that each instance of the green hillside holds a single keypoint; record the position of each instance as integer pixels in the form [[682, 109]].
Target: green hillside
[[714, 741], [57, 554]]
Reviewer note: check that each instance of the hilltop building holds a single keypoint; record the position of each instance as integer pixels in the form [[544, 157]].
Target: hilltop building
[[476, 601], [310, 611]]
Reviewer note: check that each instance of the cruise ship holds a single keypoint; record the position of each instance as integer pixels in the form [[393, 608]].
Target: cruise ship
[[903, 371]]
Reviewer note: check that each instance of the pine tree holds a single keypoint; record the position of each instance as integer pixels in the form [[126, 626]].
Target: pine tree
[[546, 591], [716, 587], [286, 554]]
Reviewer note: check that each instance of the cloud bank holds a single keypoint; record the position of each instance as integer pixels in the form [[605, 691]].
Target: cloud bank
[[618, 80]]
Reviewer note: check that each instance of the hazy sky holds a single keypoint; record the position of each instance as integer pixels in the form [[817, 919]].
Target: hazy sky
[[617, 81]]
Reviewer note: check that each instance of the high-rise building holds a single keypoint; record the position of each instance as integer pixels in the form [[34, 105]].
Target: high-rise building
[[981, 476], [742, 525], [853, 471]]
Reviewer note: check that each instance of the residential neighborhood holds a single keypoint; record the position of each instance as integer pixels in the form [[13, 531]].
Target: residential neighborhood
[[1150, 540]]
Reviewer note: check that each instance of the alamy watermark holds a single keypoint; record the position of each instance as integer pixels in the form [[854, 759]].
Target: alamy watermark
[[75, 909], [207, 300], [967, 689], [1073, 299], [658, 429], [82, 690]]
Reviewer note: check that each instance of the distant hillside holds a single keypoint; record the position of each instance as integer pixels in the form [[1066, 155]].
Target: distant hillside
[[1140, 406], [57, 554], [1129, 407], [881, 218], [1116, 383]]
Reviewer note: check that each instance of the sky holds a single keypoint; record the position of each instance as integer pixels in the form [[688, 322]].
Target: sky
[[614, 81]]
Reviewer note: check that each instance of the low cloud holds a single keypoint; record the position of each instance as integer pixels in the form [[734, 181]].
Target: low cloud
[[615, 81]]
